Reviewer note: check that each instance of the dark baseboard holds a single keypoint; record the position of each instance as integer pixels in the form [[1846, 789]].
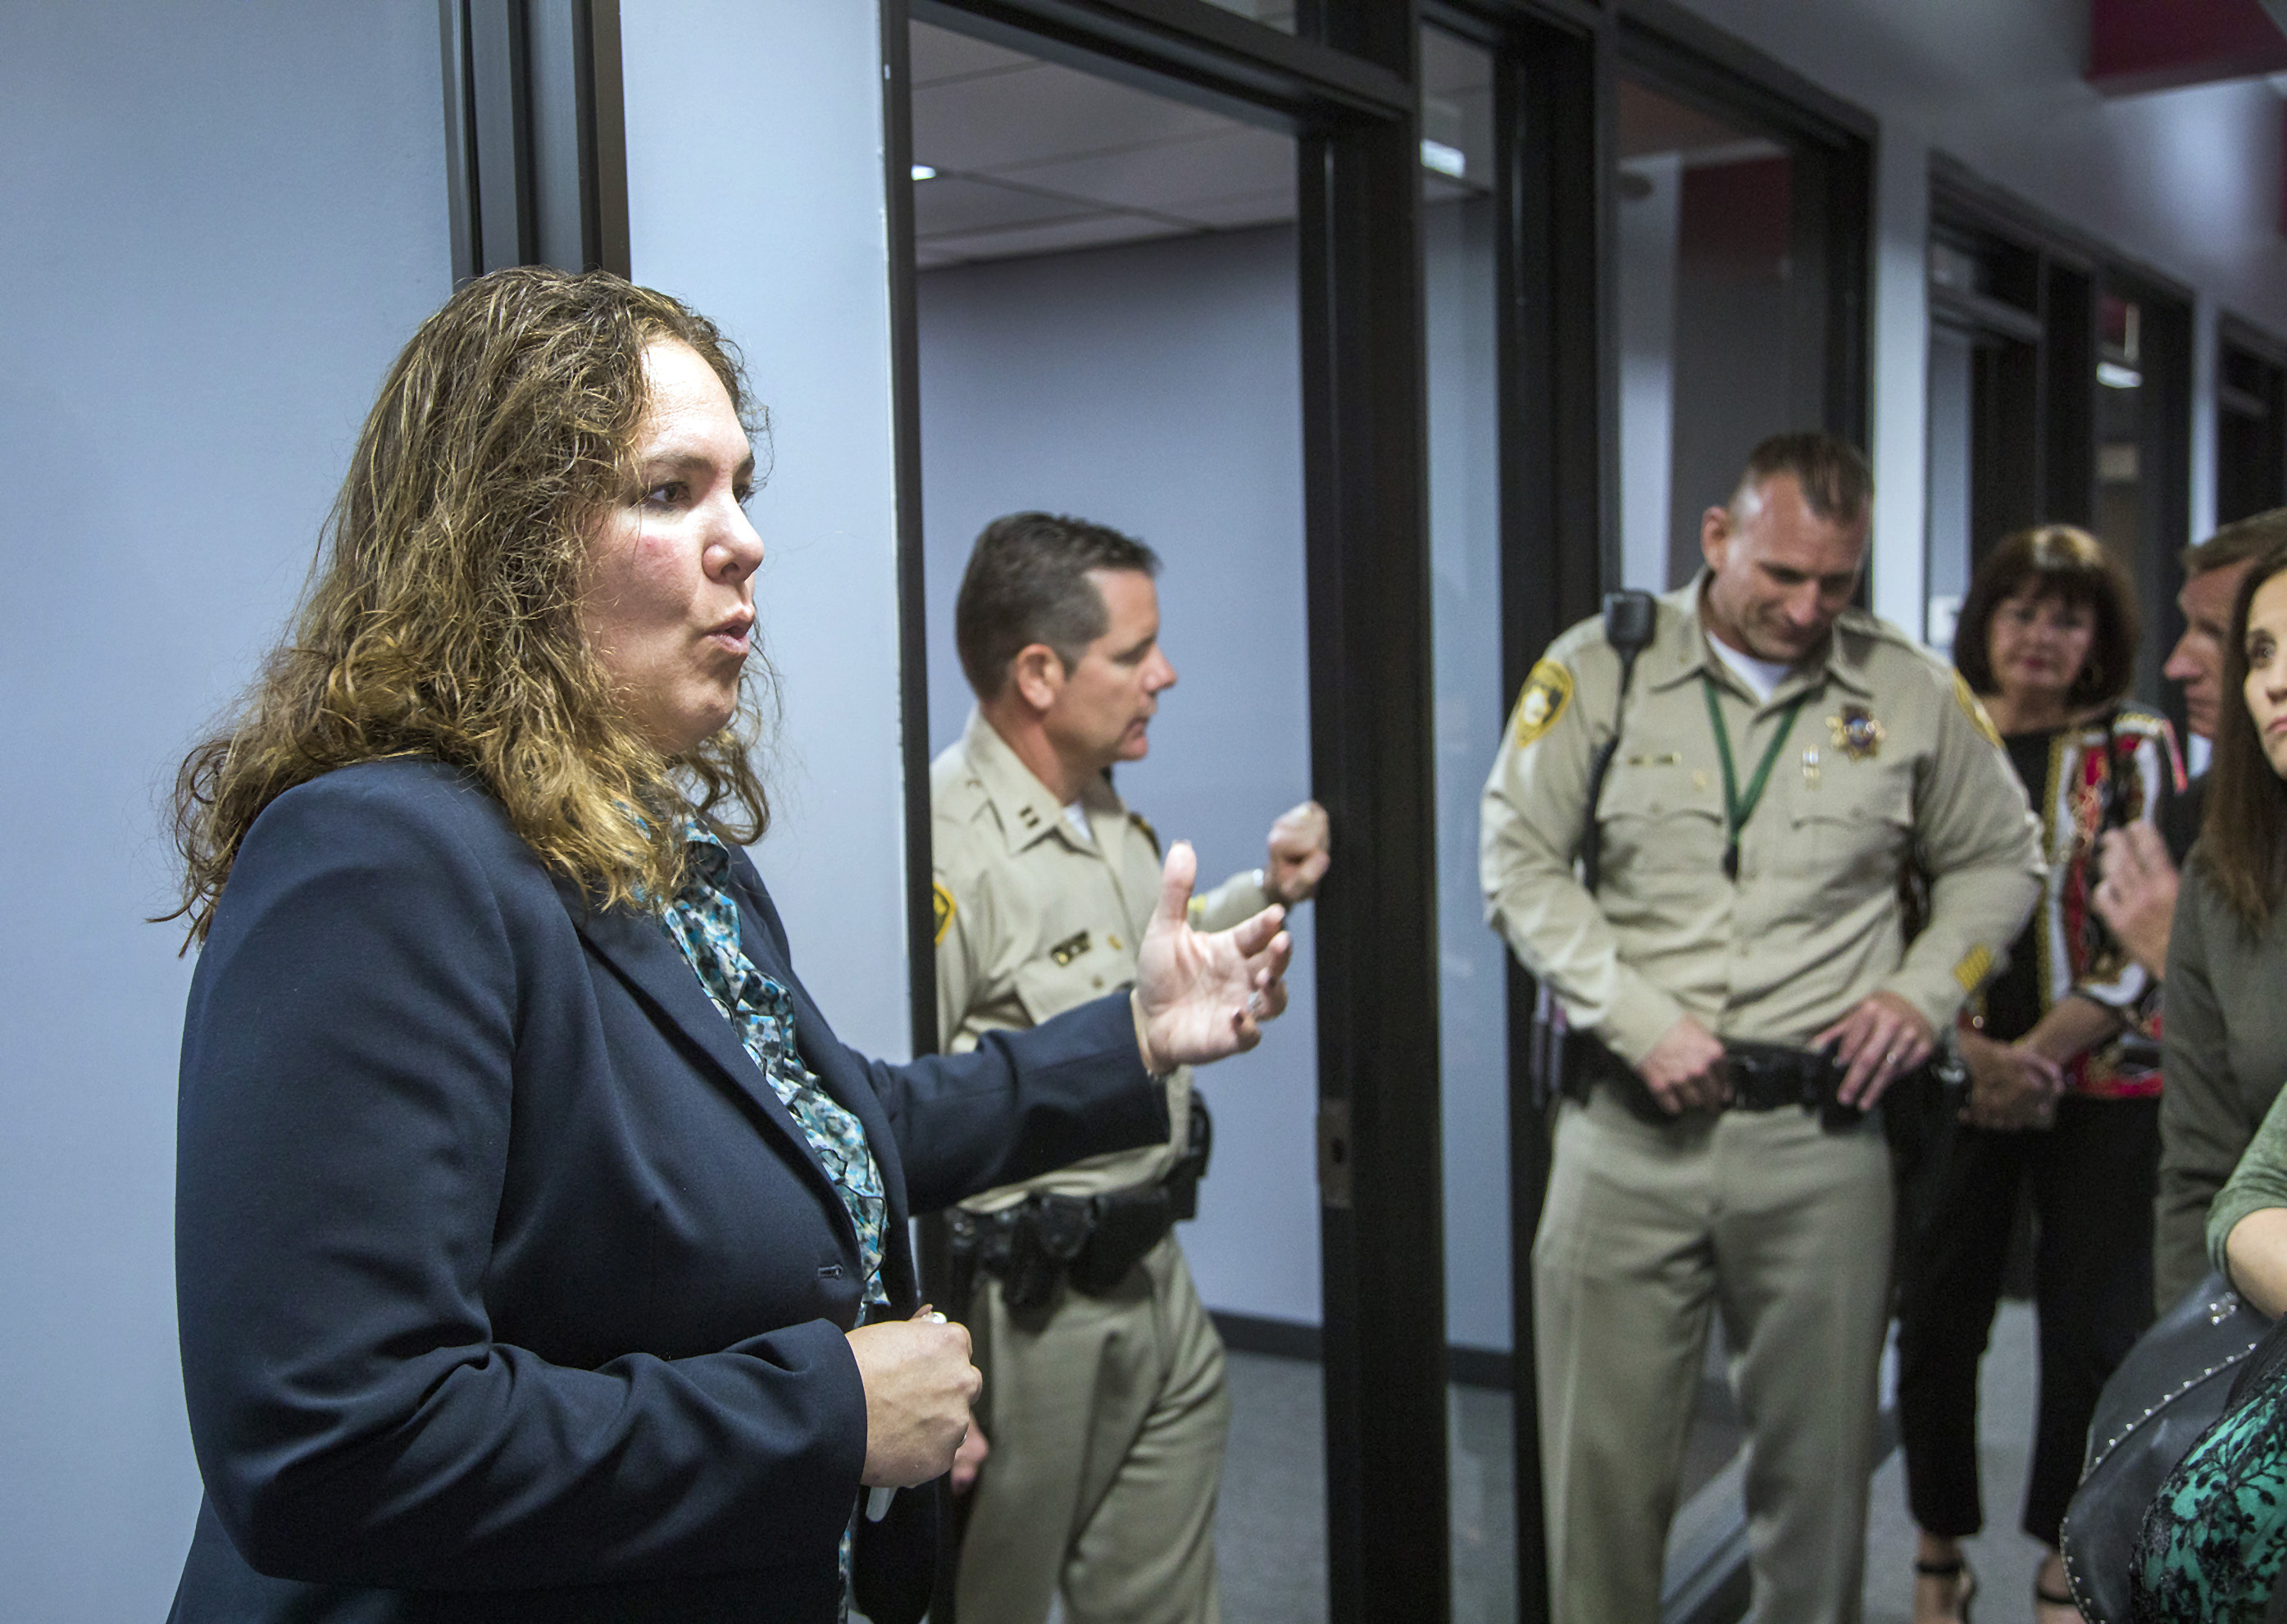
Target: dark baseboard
[[1291, 1339]]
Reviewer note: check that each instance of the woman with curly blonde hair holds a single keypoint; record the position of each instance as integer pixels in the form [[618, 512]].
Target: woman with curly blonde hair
[[540, 1253]]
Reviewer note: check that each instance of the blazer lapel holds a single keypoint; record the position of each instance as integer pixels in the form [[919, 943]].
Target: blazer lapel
[[641, 953], [835, 1067]]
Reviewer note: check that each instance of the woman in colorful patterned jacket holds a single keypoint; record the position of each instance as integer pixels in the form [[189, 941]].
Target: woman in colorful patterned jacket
[[2060, 1052]]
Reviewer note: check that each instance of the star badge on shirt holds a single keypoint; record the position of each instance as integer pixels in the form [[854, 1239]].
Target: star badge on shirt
[[1856, 733]]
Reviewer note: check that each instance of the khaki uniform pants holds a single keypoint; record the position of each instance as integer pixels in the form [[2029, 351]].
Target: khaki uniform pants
[[1786, 1229], [1107, 1417]]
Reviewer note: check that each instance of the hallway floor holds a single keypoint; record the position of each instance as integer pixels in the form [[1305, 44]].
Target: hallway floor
[[1271, 1526]]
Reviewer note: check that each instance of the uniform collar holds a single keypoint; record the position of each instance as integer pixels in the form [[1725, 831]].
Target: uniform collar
[[1679, 650], [1029, 813]]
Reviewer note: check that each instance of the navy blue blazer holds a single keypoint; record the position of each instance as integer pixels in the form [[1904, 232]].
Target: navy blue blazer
[[508, 1288]]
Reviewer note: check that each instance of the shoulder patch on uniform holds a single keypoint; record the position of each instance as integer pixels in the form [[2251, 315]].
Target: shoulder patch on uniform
[[1547, 690], [1974, 966], [941, 899], [1149, 834], [1974, 708]]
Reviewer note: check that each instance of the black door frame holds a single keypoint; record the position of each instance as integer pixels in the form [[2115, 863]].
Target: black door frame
[[2250, 388], [1552, 96], [1344, 87]]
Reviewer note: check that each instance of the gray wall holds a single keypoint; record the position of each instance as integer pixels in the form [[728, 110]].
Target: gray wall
[[223, 224], [1157, 389]]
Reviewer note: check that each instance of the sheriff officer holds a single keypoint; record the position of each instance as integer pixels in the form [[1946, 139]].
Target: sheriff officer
[[1738, 990], [1104, 1378]]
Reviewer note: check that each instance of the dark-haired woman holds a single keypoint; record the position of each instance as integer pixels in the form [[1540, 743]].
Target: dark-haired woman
[[2214, 1537], [2047, 639], [541, 1252]]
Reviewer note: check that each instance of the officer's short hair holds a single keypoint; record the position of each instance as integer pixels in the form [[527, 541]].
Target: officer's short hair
[[1837, 485], [2238, 543], [2060, 561], [1027, 582]]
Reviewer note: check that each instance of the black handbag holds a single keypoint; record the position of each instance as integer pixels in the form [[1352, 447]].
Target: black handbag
[[2174, 1384]]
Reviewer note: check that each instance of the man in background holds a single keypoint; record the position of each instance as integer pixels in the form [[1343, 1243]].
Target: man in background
[[1103, 1402], [2137, 896], [2204, 1125], [1739, 995]]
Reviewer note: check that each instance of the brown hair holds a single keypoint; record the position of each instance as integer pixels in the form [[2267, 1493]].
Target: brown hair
[[1832, 473], [2245, 825], [2061, 561], [440, 617], [1027, 582], [2238, 541]]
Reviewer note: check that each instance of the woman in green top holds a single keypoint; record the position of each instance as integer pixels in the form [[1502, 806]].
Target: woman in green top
[[2216, 1531]]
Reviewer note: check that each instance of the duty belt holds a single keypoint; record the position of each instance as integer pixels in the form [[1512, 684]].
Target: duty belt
[[1763, 1076], [1091, 1241]]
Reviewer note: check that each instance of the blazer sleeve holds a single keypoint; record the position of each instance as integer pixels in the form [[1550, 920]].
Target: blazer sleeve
[[1023, 1102], [348, 1095]]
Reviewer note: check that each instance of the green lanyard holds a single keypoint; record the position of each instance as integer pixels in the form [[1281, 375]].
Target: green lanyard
[[1738, 808]]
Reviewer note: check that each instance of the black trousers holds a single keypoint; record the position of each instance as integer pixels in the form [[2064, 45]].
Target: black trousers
[[2091, 1179]]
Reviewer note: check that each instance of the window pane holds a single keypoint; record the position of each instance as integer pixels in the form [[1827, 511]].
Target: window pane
[[1720, 344], [1460, 309]]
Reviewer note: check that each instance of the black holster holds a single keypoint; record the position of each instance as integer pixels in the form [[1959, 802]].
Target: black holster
[[1091, 1241]]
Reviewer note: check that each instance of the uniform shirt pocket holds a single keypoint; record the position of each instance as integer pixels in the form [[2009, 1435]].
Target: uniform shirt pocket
[[1855, 828], [1661, 817], [1068, 973]]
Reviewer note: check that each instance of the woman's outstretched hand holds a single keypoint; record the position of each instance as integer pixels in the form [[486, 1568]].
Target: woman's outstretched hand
[[1199, 997]]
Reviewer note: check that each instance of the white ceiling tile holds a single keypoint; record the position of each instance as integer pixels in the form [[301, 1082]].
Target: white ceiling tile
[[1169, 174], [1040, 113], [956, 203], [939, 53], [1241, 208], [1058, 238]]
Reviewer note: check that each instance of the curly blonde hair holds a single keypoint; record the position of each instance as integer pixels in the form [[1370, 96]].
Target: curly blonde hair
[[441, 616]]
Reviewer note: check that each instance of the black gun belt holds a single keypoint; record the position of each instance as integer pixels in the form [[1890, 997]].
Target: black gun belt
[[1763, 1077], [1091, 1241]]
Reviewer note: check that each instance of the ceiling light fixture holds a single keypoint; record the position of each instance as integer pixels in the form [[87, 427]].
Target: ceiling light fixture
[[2112, 375], [1446, 159], [922, 172]]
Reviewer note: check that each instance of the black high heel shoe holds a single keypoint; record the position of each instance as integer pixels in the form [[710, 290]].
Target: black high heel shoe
[[1964, 1577]]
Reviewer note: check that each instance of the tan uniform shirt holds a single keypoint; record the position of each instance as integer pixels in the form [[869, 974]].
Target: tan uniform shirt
[[1890, 748], [1033, 920]]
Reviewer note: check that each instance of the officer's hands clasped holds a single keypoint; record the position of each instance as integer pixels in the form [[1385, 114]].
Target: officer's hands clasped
[[1199, 996]]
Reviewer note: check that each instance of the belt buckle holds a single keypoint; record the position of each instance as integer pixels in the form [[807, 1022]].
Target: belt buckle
[[1750, 1073]]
